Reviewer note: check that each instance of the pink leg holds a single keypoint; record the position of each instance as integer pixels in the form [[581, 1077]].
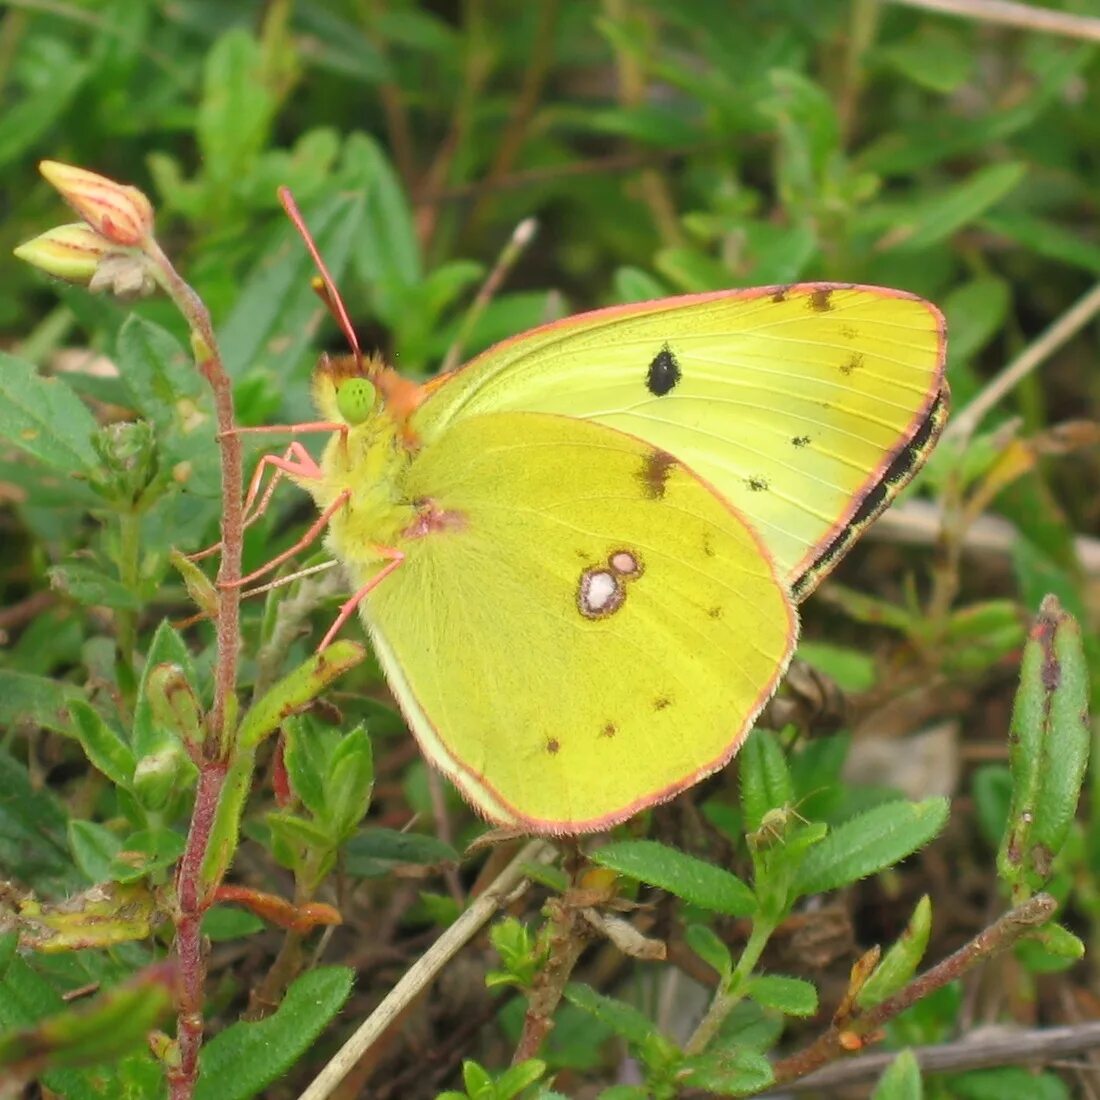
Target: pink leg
[[296, 461], [318, 526], [396, 557]]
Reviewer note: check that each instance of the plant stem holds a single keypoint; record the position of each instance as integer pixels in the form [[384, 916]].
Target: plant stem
[[731, 993], [193, 895], [998, 937]]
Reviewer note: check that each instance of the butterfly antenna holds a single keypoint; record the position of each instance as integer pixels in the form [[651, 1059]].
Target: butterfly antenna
[[327, 289]]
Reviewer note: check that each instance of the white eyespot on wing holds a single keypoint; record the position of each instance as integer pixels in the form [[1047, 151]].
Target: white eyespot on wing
[[599, 594]]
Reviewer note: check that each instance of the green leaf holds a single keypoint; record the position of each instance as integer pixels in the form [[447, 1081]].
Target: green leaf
[[375, 851], [144, 852], [901, 961], [976, 311], [791, 996], [1006, 1082], [44, 418], [292, 692], [102, 745], [519, 1077], [25, 124], [243, 1060], [692, 879], [304, 753], [870, 842], [95, 1033], [34, 847], [727, 1071], [234, 117], [387, 252], [36, 701], [479, 1085], [934, 219], [348, 784], [1046, 238], [92, 587], [1048, 747], [227, 819], [94, 846], [900, 1080], [765, 778], [933, 58], [298, 830], [226, 922], [706, 944], [623, 1019]]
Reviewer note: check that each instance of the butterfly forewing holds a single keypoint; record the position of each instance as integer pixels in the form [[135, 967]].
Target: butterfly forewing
[[806, 407]]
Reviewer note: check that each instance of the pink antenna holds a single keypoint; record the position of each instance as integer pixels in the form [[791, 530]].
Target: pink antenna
[[331, 295]]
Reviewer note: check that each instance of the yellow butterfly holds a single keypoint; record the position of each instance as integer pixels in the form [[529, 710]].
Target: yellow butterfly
[[579, 556]]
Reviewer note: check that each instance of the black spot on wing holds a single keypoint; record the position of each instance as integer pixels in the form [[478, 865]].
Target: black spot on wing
[[757, 484], [661, 702], [779, 294], [800, 441], [609, 729], [852, 363], [553, 746], [663, 373], [820, 300]]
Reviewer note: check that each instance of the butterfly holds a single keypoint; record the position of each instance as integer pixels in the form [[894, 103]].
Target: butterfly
[[579, 556]]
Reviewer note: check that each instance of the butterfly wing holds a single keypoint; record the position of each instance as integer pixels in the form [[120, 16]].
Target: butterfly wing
[[580, 626], [806, 407]]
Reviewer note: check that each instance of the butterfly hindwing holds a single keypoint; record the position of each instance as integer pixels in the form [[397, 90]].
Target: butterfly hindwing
[[580, 626], [806, 407]]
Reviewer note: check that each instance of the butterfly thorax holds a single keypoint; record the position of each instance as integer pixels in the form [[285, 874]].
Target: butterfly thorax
[[366, 464]]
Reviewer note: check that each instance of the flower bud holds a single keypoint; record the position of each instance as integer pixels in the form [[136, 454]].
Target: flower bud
[[71, 252], [121, 214]]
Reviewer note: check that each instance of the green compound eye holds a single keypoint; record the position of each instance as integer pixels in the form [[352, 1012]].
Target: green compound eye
[[355, 398]]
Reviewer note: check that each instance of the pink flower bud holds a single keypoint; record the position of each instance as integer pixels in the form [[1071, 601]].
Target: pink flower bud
[[121, 214]]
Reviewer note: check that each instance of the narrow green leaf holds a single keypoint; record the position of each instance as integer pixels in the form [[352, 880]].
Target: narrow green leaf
[[901, 961], [1046, 238], [1048, 748], [681, 874], [869, 843], [900, 1080], [44, 418], [791, 996], [27, 123], [227, 819], [934, 219], [102, 745], [167, 647], [765, 778], [375, 851], [349, 783], [305, 748], [623, 1019], [243, 1060], [291, 693], [388, 252], [706, 944]]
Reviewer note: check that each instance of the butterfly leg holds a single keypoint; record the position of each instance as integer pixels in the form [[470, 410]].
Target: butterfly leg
[[315, 529], [393, 558], [295, 462]]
